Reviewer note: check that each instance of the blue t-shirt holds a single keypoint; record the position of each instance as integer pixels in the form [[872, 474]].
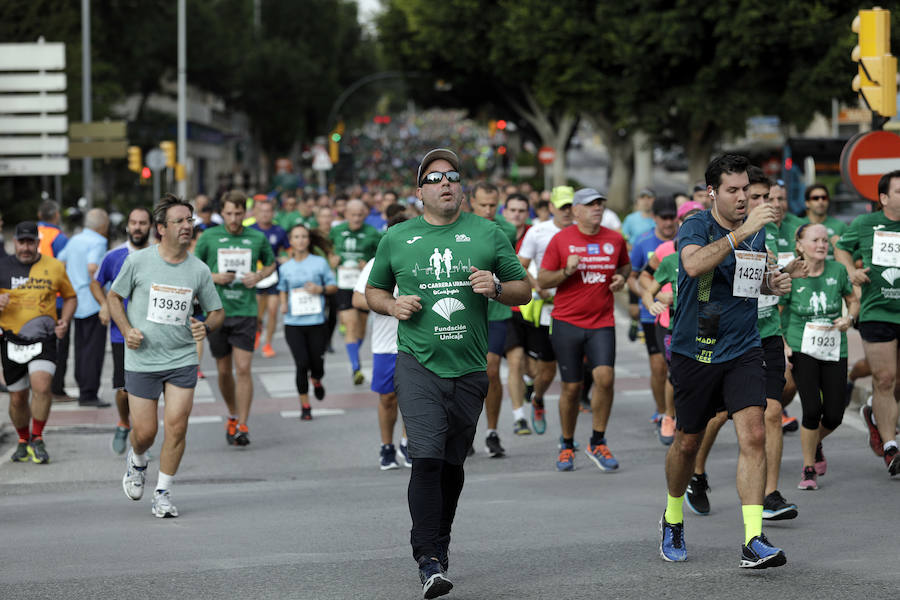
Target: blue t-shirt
[[294, 274], [86, 248], [636, 224], [277, 237], [711, 325], [645, 244], [106, 274], [375, 219]]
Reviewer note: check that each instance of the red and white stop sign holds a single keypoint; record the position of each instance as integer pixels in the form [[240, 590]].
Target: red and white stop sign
[[868, 156], [546, 155]]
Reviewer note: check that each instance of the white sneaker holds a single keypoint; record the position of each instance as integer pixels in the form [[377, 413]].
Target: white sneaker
[[162, 506], [133, 481]]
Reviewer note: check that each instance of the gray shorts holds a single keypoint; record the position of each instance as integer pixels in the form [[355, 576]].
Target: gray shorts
[[150, 385], [440, 414]]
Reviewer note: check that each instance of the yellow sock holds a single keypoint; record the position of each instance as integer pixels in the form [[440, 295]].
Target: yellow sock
[[752, 521], [675, 510]]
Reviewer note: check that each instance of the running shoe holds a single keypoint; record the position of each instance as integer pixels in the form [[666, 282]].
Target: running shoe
[[520, 427], [492, 446], [318, 390], [656, 417], [821, 464], [405, 460], [632, 330], [671, 541], [119, 442], [696, 495], [268, 351], [162, 507], [537, 418], [242, 437], [874, 437], [666, 431], [761, 554], [808, 482], [529, 391], [388, 457], [21, 454], [776, 508], [566, 460], [200, 374], [133, 481], [306, 413], [560, 444], [602, 457], [230, 430], [38, 452], [891, 459], [358, 377], [434, 583], [443, 548], [585, 406], [788, 423]]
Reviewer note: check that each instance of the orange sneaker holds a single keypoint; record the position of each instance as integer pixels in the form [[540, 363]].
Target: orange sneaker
[[242, 438], [230, 431], [268, 351]]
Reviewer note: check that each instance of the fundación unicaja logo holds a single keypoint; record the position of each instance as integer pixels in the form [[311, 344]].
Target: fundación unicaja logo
[[891, 275], [447, 307]]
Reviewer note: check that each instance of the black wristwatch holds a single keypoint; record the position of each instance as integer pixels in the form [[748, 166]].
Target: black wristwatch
[[498, 287]]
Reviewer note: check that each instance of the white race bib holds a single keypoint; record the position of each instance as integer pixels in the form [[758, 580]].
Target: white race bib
[[23, 354], [546, 309], [268, 281], [169, 305], [234, 259], [749, 269], [822, 341], [303, 303], [347, 276], [886, 249]]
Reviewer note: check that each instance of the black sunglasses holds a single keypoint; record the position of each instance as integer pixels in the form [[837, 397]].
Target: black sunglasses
[[438, 176]]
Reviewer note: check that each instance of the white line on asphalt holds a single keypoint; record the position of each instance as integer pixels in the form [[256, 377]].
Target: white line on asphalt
[[201, 419], [317, 412]]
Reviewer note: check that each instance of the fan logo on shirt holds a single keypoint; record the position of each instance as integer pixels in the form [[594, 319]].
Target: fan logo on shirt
[[447, 307], [891, 275]]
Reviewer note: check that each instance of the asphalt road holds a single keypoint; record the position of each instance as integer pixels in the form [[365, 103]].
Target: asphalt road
[[305, 512]]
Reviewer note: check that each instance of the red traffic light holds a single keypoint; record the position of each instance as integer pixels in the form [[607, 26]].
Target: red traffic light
[[145, 173], [501, 124], [382, 119], [501, 150]]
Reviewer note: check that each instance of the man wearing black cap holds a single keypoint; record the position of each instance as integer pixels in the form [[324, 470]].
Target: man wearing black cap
[[664, 229], [446, 264], [29, 283]]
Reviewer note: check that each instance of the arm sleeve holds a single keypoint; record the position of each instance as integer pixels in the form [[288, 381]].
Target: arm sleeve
[[64, 286], [527, 247], [638, 256], [59, 243], [381, 275], [328, 277], [201, 248], [206, 292], [844, 281], [95, 256], [850, 238], [506, 266], [623, 253], [103, 273], [363, 277], [552, 260], [265, 252], [692, 233], [282, 285], [124, 283]]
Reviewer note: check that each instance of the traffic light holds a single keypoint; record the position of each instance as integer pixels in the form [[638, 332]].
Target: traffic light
[[333, 142], [146, 173], [180, 172], [501, 124], [169, 148], [877, 76], [134, 159]]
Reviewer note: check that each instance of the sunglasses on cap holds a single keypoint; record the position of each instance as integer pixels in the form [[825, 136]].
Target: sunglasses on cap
[[438, 176]]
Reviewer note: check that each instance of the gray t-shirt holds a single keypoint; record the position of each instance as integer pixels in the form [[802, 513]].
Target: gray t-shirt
[[161, 297]]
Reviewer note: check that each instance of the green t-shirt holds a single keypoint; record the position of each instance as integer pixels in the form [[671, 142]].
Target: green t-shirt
[[160, 302], [768, 319], [667, 272], [497, 311], [354, 246], [222, 252], [880, 299], [815, 299], [833, 227], [288, 220], [449, 335]]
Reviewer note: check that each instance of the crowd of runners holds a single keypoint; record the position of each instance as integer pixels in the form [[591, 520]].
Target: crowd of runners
[[741, 305]]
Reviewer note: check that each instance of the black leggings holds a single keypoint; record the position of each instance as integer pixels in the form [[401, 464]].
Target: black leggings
[[814, 377], [307, 344], [434, 489]]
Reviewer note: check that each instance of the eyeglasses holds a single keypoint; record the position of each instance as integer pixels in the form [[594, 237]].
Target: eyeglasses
[[818, 197], [179, 222], [438, 176]]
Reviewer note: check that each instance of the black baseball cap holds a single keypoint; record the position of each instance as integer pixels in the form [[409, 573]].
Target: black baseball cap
[[664, 206], [27, 230]]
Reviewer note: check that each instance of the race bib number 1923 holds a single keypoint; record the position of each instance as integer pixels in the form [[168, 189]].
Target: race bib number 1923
[[749, 268], [169, 305], [821, 341]]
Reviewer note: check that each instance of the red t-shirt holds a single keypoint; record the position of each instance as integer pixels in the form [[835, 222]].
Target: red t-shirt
[[584, 299]]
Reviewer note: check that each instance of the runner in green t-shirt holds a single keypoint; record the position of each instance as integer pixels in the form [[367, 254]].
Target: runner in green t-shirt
[[231, 251], [354, 244], [161, 338], [483, 200], [876, 238], [444, 264], [817, 340]]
